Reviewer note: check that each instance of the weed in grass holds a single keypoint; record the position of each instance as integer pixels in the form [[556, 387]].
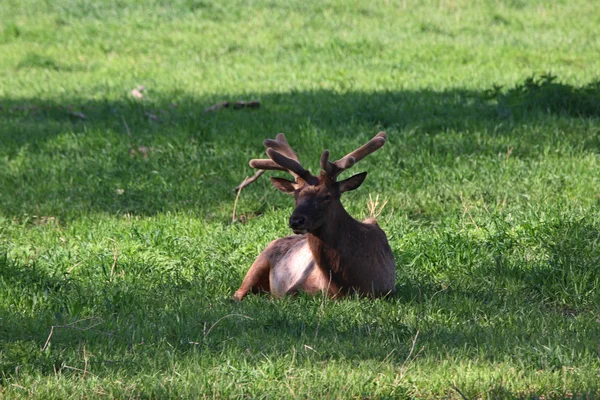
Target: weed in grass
[[544, 94]]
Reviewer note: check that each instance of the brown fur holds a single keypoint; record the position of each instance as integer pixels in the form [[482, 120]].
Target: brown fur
[[356, 254]]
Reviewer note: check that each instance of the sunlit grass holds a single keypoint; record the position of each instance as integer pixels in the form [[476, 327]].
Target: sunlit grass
[[117, 252]]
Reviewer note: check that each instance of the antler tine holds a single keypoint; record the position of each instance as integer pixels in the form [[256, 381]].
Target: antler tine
[[282, 158], [292, 166], [336, 168], [281, 145], [370, 147], [260, 163]]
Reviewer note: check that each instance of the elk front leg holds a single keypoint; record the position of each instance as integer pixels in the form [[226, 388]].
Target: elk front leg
[[257, 278]]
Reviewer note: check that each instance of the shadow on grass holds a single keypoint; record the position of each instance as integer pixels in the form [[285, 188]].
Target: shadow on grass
[[541, 318], [501, 306], [75, 156]]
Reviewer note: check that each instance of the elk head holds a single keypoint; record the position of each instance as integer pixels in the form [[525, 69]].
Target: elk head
[[317, 197]]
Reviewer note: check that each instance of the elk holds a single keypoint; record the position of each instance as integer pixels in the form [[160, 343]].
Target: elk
[[331, 252]]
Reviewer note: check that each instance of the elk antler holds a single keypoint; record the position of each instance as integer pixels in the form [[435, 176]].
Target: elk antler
[[333, 169], [281, 145], [281, 158], [292, 166]]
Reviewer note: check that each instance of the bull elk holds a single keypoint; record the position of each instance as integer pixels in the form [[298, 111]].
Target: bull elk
[[331, 252]]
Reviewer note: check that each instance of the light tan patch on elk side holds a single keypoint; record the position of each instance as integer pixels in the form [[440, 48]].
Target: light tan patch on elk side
[[291, 271]]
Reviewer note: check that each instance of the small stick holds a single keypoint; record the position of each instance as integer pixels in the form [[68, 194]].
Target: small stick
[[249, 180], [246, 182], [459, 392], [70, 326], [85, 365], [237, 197], [48, 340], [77, 369]]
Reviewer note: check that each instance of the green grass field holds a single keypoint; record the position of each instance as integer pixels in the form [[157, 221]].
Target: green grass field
[[118, 257]]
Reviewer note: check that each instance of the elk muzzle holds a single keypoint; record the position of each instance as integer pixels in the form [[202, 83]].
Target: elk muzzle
[[298, 223]]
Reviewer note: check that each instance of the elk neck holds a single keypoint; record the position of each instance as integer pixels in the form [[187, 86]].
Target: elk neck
[[330, 241]]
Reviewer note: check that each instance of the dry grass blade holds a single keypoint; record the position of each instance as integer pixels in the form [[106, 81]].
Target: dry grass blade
[[221, 319], [115, 258], [249, 180], [374, 208], [72, 326]]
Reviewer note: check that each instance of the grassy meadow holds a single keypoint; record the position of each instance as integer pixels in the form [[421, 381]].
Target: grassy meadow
[[118, 257]]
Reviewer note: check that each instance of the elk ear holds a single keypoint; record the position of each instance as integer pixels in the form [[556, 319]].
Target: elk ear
[[352, 183], [283, 185]]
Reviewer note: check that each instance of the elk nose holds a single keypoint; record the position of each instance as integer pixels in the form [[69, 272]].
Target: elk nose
[[296, 221]]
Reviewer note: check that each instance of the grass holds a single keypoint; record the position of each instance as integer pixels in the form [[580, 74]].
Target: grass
[[118, 257]]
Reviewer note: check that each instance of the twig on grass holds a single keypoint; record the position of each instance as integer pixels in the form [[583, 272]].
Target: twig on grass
[[248, 180], [221, 319], [237, 197], [408, 360], [48, 340], [310, 348], [70, 326], [85, 365], [78, 369], [459, 392]]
